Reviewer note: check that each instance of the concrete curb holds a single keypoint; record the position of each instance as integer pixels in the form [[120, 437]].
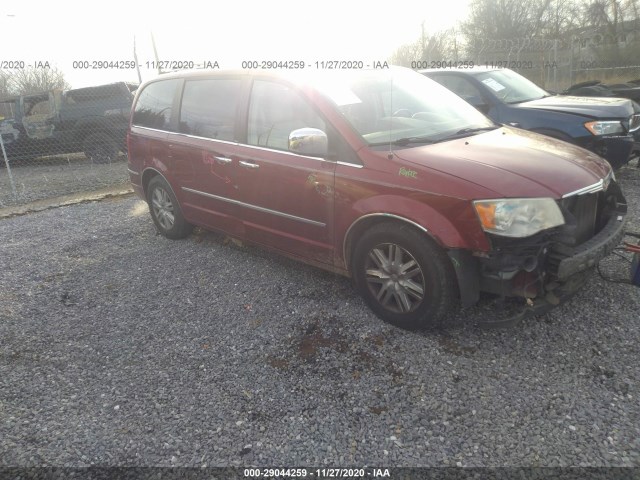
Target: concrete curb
[[64, 200]]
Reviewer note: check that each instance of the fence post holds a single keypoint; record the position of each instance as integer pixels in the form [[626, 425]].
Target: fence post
[[571, 63], [6, 162], [555, 65]]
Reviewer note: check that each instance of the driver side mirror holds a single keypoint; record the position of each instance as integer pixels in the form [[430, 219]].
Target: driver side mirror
[[308, 141]]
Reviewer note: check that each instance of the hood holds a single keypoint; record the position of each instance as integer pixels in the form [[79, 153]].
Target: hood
[[513, 163], [595, 107]]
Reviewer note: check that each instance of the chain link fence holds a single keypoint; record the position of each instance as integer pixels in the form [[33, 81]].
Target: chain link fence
[[61, 142]]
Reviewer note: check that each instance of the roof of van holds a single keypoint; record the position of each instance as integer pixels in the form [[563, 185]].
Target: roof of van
[[471, 70], [299, 74]]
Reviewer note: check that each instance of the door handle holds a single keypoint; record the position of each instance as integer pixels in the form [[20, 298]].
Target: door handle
[[249, 164], [223, 160]]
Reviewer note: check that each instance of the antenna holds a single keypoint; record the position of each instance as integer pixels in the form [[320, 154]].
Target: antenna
[[390, 155], [135, 58], [155, 53]]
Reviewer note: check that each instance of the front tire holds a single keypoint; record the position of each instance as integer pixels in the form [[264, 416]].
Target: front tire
[[404, 277], [165, 210]]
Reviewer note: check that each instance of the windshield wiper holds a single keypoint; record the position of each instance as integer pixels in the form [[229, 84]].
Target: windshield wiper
[[459, 134], [465, 132], [405, 141]]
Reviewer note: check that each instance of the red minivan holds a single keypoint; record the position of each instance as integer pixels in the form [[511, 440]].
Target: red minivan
[[381, 175]]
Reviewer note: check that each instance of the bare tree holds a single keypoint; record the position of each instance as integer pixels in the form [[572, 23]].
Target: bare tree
[[406, 54], [501, 19], [613, 20], [558, 17], [441, 46], [633, 9], [34, 80], [611, 14]]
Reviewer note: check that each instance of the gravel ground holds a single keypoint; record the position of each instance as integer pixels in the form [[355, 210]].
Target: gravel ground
[[55, 176], [120, 347]]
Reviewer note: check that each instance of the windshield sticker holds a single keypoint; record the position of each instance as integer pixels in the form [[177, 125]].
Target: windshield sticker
[[493, 85], [408, 173]]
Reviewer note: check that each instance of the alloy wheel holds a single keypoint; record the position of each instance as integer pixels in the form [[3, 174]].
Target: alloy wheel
[[395, 278], [163, 208]]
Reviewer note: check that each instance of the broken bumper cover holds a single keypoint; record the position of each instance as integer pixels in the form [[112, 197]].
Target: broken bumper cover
[[556, 279], [595, 249], [540, 306]]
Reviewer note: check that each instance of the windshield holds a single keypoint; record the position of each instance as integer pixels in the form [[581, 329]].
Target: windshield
[[511, 87], [399, 104]]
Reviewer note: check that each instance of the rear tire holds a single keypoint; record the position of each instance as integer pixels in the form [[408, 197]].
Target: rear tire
[[404, 277], [165, 210]]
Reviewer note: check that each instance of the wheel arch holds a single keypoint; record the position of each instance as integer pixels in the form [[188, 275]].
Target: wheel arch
[[148, 174], [423, 263], [365, 222], [463, 264]]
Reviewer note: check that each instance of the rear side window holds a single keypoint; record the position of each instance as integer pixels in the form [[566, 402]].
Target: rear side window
[[209, 108], [153, 108]]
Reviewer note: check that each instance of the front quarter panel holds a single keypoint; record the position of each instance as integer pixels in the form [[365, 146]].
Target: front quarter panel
[[370, 196]]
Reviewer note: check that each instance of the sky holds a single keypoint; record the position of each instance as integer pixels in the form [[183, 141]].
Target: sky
[[69, 35]]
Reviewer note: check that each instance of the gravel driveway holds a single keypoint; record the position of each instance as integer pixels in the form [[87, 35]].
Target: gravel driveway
[[119, 347]]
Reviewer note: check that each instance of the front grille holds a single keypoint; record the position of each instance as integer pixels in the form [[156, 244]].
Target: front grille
[[586, 215], [581, 213], [634, 122], [583, 209]]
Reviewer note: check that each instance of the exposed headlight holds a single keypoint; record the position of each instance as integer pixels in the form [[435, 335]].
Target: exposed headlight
[[518, 217], [604, 128]]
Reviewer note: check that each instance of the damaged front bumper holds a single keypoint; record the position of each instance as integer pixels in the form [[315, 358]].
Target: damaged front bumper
[[547, 268], [592, 251]]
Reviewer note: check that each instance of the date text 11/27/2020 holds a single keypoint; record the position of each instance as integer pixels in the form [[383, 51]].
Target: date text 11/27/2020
[[317, 472], [468, 64]]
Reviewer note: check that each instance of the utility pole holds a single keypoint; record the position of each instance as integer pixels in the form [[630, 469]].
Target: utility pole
[[135, 58], [155, 53]]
